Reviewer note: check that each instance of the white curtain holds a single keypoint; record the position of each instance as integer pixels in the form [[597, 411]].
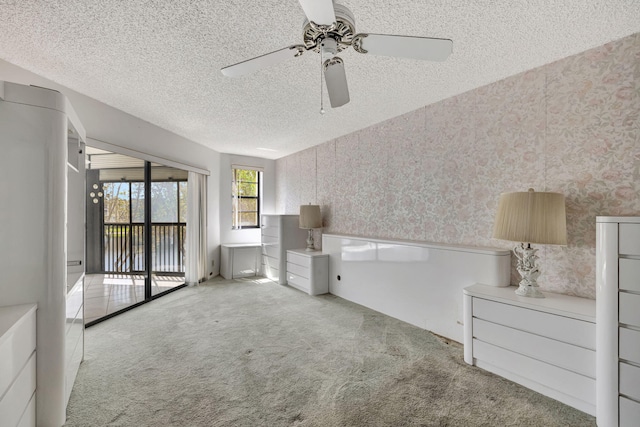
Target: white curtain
[[196, 269]]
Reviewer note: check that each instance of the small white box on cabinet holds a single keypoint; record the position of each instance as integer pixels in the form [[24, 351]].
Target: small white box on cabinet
[[308, 271]]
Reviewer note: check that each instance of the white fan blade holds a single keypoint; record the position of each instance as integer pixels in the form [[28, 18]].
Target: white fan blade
[[336, 80], [259, 62], [426, 48], [319, 11]]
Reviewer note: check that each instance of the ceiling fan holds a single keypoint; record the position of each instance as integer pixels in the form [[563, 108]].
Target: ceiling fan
[[329, 29]]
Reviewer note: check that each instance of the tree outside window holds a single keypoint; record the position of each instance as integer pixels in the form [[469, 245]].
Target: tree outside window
[[245, 192]]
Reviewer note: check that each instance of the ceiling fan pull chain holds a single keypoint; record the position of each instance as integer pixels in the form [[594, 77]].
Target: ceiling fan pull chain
[[321, 100]]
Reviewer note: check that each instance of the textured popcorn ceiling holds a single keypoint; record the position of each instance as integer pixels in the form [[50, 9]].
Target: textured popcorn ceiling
[[160, 60]]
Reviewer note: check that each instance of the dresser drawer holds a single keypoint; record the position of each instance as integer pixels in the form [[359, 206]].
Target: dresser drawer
[[17, 398], [629, 274], [298, 259], [629, 345], [299, 282], [29, 417], [271, 262], [629, 306], [629, 239], [73, 337], [269, 240], [553, 377], [15, 349], [298, 270], [567, 356], [629, 413], [572, 331], [270, 272], [272, 251], [630, 381], [273, 232], [270, 221]]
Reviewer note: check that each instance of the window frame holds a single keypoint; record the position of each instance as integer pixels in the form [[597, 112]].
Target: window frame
[[179, 205], [236, 200]]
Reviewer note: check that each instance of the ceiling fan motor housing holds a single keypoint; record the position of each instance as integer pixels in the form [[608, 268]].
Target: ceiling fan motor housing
[[342, 32], [329, 47]]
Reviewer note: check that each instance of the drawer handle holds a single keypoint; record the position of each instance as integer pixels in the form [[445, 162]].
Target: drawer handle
[[74, 263]]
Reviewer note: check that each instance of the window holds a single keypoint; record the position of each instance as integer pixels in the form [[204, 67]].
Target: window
[[116, 202], [245, 192], [124, 222]]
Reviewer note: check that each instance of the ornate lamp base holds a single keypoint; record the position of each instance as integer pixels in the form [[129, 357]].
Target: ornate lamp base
[[310, 244], [529, 291], [529, 271]]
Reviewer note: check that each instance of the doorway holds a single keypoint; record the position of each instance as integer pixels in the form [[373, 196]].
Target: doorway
[[136, 230]]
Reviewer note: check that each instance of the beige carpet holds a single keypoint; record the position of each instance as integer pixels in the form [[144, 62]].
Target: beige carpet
[[253, 353]]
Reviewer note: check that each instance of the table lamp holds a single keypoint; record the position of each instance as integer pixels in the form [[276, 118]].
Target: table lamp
[[530, 217], [310, 218]]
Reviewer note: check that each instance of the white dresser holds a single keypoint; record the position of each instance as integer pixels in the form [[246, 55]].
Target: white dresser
[[239, 260], [547, 345], [279, 233], [618, 313], [308, 271], [18, 365]]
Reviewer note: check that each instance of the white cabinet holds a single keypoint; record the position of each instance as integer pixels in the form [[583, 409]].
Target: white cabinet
[[42, 232], [308, 271], [18, 365], [547, 345], [618, 314], [239, 260], [279, 233]]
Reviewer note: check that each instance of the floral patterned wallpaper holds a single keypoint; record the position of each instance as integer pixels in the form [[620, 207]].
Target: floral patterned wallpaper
[[435, 174]]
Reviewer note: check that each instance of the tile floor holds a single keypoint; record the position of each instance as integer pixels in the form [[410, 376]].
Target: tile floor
[[107, 293]]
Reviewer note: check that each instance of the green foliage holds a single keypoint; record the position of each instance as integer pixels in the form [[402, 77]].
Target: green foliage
[[164, 201], [246, 198], [168, 202], [116, 202], [182, 200]]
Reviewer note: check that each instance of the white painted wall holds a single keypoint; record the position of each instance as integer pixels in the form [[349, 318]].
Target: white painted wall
[[108, 124], [227, 235]]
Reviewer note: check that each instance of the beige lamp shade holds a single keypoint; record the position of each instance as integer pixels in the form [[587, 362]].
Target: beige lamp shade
[[310, 216], [531, 217]]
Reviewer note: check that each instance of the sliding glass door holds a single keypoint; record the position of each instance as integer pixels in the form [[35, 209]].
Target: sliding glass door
[[136, 229], [169, 228]]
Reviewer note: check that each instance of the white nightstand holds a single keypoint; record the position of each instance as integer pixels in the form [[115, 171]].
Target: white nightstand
[[308, 271], [546, 344]]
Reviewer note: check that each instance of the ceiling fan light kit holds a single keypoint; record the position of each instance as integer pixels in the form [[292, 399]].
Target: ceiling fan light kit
[[328, 30]]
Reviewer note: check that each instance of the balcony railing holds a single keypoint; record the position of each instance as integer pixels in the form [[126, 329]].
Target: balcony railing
[[124, 247]]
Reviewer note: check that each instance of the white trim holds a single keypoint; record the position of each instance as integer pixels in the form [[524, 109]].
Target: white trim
[[144, 156], [424, 244], [248, 168]]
